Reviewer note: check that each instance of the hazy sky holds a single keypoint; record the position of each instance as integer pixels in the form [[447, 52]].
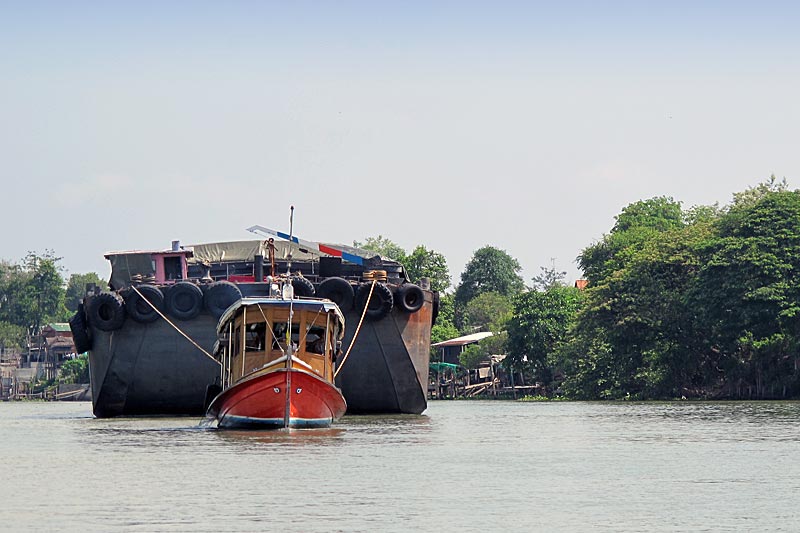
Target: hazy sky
[[523, 125]]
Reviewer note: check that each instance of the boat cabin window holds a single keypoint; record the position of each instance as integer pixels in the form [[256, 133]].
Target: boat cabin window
[[172, 268], [237, 336], [255, 337], [315, 340]]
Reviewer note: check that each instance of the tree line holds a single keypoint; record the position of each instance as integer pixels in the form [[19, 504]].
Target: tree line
[[33, 293], [700, 302]]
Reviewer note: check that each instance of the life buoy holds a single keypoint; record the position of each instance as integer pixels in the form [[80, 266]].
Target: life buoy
[[184, 300], [410, 298], [107, 311], [80, 334], [138, 308], [219, 296], [339, 291], [379, 305], [302, 287]]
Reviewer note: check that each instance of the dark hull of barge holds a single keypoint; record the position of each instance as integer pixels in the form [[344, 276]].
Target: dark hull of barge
[[151, 369]]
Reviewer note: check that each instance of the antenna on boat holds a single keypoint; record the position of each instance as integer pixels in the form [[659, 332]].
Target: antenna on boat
[[291, 234]]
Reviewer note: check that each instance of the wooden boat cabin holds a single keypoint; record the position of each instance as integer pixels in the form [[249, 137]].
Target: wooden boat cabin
[[257, 337]]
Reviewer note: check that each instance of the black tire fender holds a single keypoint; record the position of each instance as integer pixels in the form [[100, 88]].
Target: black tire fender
[[337, 290], [409, 297], [219, 296], [381, 303], [184, 300], [435, 310], [107, 311], [302, 287], [80, 334], [138, 308]]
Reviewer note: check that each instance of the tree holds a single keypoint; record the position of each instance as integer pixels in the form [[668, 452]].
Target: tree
[[637, 224], [32, 293], [383, 247], [548, 278], [444, 328], [75, 370], [424, 263], [76, 288], [538, 328], [747, 295], [12, 337], [488, 311], [47, 288], [752, 195], [489, 270]]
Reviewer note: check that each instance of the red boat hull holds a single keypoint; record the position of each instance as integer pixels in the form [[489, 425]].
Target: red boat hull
[[261, 402]]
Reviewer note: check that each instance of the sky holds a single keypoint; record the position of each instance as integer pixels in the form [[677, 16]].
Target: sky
[[523, 125]]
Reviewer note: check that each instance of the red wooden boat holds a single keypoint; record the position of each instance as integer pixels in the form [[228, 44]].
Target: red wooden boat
[[277, 363]]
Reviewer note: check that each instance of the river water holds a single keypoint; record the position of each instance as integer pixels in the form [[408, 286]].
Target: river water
[[463, 466]]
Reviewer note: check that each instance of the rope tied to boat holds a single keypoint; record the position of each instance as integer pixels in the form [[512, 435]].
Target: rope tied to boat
[[162, 315], [355, 336]]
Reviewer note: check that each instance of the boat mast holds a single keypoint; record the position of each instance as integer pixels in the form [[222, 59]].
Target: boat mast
[[289, 351]]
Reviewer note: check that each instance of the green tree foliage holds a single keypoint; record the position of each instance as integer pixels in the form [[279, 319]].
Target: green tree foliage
[[704, 303], [12, 337], [548, 278], [489, 311], [489, 270], [747, 294], [383, 247], [75, 370], [424, 263], [538, 329], [636, 225], [444, 328], [32, 294], [76, 288]]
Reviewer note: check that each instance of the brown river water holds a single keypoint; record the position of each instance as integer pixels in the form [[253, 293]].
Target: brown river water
[[462, 466]]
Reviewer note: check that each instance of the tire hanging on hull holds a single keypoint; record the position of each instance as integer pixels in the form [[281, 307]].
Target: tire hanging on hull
[[219, 296], [80, 333], [409, 298], [337, 290], [138, 308], [380, 305], [184, 300], [107, 311]]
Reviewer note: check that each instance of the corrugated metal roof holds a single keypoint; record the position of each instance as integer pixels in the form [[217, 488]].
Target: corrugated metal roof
[[59, 326], [466, 339]]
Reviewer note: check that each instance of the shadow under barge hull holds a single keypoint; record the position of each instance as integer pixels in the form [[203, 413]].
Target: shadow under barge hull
[[141, 365]]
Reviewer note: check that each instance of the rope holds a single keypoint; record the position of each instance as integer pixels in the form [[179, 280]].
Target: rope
[[142, 296], [363, 314]]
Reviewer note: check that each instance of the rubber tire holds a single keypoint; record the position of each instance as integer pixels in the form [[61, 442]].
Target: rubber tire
[[138, 309], [435, 310], [409, 298], [339, 291], [107, 311], [80, 335], [184, 300], [219, 296], [302, 287], [381, 303]]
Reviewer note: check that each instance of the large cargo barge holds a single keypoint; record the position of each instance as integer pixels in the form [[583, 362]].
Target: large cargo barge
[[155, 359]]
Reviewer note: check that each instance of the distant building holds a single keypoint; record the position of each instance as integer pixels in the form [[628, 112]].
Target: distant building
[[449, 350], [581, 283]]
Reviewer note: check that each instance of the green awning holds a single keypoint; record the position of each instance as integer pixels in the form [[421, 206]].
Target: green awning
[[438, 367]]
